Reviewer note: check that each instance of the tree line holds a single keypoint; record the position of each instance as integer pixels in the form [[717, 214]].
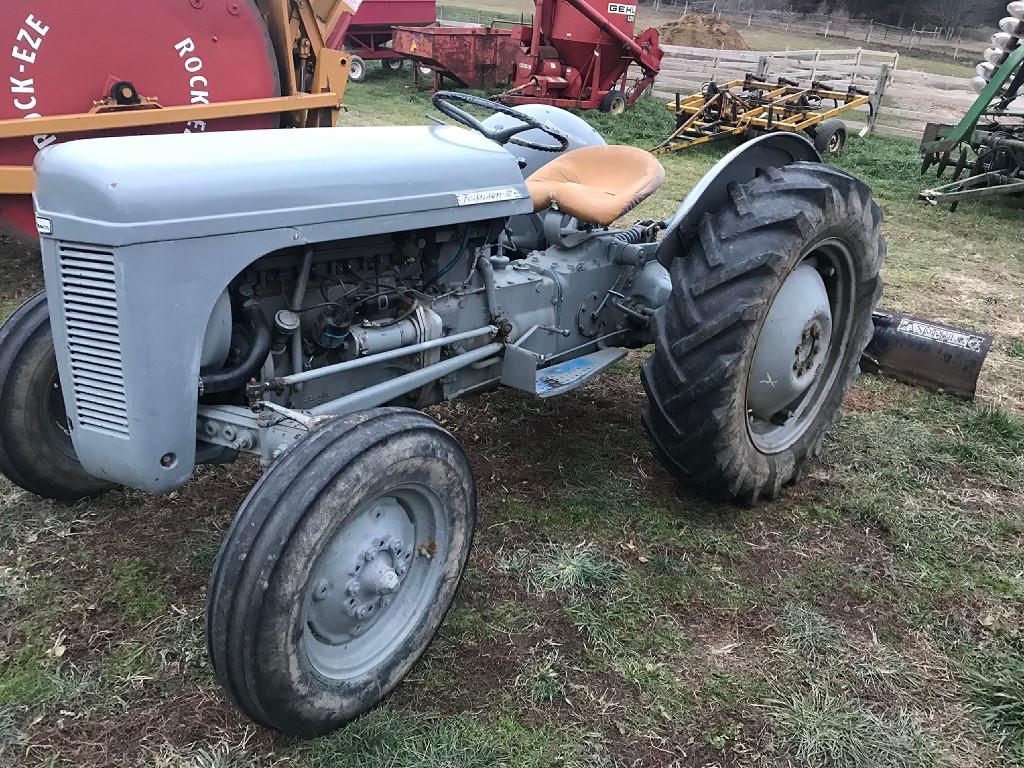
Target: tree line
[[934, 13]]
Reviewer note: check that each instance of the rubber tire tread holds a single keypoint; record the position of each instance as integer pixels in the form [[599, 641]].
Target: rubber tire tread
[[824, 133], [724, 281], [237, 584], [25, 459]]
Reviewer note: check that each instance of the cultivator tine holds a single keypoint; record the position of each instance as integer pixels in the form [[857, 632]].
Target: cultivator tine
[[934, 356], [944, 162], [928, 162], [961, 165]]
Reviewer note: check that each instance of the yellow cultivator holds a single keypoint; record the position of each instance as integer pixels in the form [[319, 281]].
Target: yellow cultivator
[[751, 106]]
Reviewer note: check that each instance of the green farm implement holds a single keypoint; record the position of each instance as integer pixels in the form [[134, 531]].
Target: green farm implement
[[985, 150]]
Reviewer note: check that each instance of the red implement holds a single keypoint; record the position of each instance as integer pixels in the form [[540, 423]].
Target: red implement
[[61, 58], [578, 54], [478, 57], [369, 32]]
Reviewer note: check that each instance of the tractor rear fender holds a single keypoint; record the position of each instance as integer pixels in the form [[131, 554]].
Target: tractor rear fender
[[773, 150]]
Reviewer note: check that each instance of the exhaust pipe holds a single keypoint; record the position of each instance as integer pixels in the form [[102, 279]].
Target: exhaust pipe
[[930, 355]]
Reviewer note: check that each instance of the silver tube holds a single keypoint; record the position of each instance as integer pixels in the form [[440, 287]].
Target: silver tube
[[300, 294], [297, 416], [385, 392], [491, 291], [380, 357]]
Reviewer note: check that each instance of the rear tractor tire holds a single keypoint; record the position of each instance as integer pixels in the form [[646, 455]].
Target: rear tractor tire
[[761, 339], [36, 452], [339, 568]]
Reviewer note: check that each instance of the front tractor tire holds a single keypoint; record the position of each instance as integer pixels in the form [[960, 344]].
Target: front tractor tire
[[36, 452], [339, 568], [769, 314]]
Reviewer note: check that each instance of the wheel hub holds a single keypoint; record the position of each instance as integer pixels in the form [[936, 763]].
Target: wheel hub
[[384, 568], [809, 352], [792, 347], [361, 576]]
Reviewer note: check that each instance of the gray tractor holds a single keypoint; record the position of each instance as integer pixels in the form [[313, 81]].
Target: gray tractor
[[299, 295]]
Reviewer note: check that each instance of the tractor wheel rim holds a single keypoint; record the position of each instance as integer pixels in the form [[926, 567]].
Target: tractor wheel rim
[[374, 582], [357, 70], [835, 143], [801, 347], [618, 106]]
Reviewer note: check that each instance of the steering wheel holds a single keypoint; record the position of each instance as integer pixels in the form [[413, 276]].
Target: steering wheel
[[444, 101]]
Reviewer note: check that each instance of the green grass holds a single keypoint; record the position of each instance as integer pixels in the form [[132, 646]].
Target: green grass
[[544, 678], [138, 589], [995, 682], [828, 729], [575, 569], [390, 739], [805, 634], [483, 15]]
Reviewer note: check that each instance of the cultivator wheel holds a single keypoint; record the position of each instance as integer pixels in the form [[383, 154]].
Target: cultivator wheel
[[339, 568], [35, 438], [830, 137], [770, 312]]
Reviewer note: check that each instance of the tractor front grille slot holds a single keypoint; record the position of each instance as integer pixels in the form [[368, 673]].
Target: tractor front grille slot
[[88, 282]]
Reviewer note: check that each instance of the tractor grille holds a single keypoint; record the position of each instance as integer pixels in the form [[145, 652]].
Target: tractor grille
[[88, 284]]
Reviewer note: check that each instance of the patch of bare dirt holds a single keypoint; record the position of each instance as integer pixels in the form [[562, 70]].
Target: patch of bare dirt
[[863, 401], [701, 30], [116, 739]]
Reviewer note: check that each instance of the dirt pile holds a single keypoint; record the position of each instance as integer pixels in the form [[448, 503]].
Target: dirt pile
[[701, 30]]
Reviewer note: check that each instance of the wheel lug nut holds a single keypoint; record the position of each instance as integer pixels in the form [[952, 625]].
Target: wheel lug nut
[[323, 588]]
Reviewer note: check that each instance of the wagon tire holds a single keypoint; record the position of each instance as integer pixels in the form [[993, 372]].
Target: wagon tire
[[357, 70], [36, 452], [614, 103], [392, 65], [831, 136], [771, 299], [339, 569]]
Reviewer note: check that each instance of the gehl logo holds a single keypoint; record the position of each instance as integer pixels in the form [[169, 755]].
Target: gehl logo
[[623, 10]]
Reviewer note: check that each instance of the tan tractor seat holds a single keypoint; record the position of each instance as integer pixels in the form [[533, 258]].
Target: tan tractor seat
[[597, 184]]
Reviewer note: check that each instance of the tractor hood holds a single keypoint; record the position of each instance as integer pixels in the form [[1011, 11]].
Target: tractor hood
[[354, 181]]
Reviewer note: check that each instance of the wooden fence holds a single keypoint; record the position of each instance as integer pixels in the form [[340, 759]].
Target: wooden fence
[[912, 99]]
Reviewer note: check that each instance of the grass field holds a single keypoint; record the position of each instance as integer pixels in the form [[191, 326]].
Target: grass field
[[870, 618]]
